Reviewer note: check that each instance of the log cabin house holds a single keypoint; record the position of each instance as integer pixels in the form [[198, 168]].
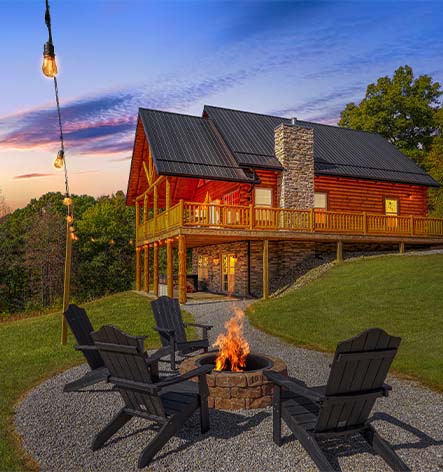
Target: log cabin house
[[254, 195]]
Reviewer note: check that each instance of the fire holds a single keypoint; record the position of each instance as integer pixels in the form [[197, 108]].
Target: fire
[[233, 346]]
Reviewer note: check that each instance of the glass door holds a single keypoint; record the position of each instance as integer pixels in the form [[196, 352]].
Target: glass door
[[228, 273]]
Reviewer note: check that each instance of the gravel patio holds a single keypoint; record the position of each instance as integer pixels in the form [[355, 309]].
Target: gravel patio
[[57, 428]]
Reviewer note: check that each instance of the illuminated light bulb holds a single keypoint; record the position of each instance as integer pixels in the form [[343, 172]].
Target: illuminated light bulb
[[74, 237], [69, 219], [111, 242], [49, 66], [72, 229], [67, 201], [59, 160]]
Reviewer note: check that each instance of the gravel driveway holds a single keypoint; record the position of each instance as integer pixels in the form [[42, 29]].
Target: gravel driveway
[[57, 428]]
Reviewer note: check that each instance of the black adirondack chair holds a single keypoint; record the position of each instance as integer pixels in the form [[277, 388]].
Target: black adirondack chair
[[168, 402], [81, 328], [171, 328], [342, 407]]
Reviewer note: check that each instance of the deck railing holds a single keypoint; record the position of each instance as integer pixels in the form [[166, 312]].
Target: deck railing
[[219, 216]]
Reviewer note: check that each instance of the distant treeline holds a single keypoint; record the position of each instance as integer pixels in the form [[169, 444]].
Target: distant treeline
[[32, 251]]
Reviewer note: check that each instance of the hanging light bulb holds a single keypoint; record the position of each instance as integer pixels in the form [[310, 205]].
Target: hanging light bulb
[[49, 66], [59, 160], [69, 219], [67, 201]]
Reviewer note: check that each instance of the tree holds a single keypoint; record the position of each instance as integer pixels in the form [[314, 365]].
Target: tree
[[105, 253], [4, 208], [404, 109]]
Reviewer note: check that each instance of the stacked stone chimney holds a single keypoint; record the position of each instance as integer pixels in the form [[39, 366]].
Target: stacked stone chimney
[[294, 148]]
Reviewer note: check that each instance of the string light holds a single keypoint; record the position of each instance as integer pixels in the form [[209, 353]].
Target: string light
[[49, 68]]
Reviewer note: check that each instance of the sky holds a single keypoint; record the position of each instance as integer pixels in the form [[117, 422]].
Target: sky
[[286, 58]]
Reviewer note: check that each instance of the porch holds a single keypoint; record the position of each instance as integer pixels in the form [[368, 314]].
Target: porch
[[192, 224]]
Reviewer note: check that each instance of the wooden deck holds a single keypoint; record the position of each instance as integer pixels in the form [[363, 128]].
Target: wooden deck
[[210, 223]]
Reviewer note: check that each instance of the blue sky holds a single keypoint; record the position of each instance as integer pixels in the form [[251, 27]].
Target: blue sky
[[289, 58]]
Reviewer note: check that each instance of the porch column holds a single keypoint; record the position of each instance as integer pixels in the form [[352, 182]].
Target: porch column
[[168, 198], [169, 271], [182, 269], [156, 269], [402, 248], [138, 268], [339, 258], [137, 220], [145, 209], [155, 207], [265, 269], [146, 269]]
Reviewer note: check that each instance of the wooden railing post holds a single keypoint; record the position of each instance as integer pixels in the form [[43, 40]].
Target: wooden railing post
[[251, 216], [156, 269], [311, 220], [146, 269], [181, 213], [182, 269], [169, 270], [137, 268], [365, 223], [412, 225], [265, 269]]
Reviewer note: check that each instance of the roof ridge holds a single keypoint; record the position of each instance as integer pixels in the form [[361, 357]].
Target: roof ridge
[[342, 127], [287, 118], [170, 112], [248, 112]]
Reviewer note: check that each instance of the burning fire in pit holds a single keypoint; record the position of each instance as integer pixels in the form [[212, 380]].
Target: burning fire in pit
[[233, 346]]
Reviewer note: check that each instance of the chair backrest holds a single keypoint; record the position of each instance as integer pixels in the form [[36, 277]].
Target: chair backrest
[[125, 359], [81, 328], [167, 315], [357, 375]]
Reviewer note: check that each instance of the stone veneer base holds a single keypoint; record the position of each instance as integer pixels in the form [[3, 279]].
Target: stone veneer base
[[237, 390]]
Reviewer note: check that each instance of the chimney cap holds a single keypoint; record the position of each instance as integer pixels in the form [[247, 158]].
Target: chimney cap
[[294, 120]]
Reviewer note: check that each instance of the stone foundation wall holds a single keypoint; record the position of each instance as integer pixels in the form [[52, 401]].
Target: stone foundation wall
[[284, 256]]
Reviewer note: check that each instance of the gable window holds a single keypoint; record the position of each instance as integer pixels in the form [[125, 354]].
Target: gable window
[[263, 196]]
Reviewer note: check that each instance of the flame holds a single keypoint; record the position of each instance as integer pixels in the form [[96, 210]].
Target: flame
[[233, 346]]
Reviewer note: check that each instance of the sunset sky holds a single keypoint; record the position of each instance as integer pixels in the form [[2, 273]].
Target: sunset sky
[[303, 59]]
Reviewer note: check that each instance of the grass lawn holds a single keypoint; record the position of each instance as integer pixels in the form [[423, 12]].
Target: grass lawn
[[402, 295], [30, 351]]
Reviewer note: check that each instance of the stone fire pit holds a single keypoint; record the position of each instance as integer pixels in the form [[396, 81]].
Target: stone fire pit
[[238, 390]]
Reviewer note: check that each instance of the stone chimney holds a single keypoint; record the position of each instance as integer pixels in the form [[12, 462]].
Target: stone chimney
[[294, 148]]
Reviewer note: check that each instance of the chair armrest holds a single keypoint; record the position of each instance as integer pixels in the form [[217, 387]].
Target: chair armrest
[[205, 328], [284, 382], [167, 332], [204, 369], [86, 347], [133, 385], [386, 389], [154, 357], [198, 325]]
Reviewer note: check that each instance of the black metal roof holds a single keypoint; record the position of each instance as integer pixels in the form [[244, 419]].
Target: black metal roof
[[337, 151], [190, 146]]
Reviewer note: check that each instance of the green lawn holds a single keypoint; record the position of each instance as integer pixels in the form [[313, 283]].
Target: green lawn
[[403, 295], [30, 351]]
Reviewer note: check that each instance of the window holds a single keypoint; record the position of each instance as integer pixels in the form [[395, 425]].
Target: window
[[203, 264], [391, 206], [320, 207], [232, 198], [263, 196], [320, 201]]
